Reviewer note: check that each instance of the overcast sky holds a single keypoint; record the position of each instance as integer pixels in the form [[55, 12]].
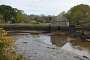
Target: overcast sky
[[46, 7]]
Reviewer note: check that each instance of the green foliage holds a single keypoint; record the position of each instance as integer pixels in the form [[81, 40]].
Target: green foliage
[[79, 15], [7, 12], [10, 14], [19, 16], [39, 19]]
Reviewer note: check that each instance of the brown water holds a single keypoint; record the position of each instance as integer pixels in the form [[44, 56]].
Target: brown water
[[52, 47]]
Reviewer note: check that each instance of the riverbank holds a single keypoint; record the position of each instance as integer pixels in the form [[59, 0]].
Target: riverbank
[[7, 50]]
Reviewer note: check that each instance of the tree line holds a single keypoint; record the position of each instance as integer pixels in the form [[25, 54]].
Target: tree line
[[78, 15], [9, 14]]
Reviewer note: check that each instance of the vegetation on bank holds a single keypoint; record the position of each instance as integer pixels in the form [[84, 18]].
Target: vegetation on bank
[[9, 14], [7, 51], [77, 15]]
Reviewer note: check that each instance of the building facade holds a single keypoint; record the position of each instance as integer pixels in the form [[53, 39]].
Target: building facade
[[59, 22]]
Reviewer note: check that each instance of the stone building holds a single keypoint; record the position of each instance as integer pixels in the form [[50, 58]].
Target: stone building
[[59, 22]]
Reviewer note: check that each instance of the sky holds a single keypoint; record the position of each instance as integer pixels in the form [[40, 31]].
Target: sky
[[44, 7]]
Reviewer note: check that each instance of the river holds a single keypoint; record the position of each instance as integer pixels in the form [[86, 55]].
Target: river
[[47, 47]]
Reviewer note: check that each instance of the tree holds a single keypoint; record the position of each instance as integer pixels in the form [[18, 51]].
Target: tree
[[79, 15], [20, 17], [7, 12], [10, 14]]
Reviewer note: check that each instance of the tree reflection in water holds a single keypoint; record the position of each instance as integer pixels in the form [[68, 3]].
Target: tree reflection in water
[[72, 44], [58, 39]]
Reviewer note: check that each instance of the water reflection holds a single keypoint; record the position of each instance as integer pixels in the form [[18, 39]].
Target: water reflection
[[71, 44], [58, 39], [40, 46]]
